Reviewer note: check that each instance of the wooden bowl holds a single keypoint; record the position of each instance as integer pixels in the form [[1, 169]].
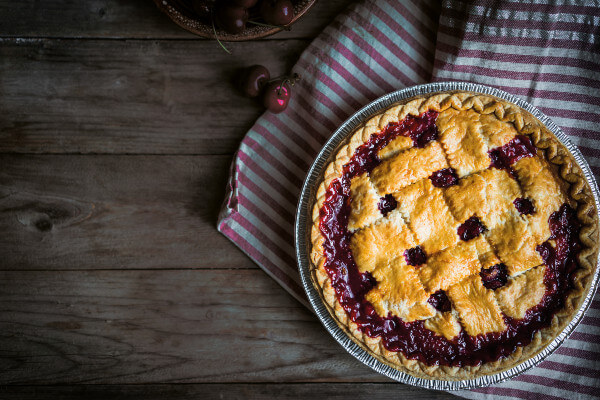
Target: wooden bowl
[[182, 14]]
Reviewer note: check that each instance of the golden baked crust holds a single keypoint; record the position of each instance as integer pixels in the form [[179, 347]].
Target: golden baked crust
[[500, 122], [488, 194], [408, 167], [476, 306], [380, 243], [459, 134], [400, 292], [450, 266], [443, 324], [364, 199], [538, 184], [522, 292], [423, 207]]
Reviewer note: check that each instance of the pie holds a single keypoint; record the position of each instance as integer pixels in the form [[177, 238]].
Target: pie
[[453, 236]]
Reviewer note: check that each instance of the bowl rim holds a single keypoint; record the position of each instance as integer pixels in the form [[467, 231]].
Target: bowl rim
[[171, 9], [303, 224]]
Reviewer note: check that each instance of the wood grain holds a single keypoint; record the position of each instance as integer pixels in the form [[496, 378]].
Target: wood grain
[[125, 19], [162, 326], [130, 97], [99, 212], [330, 391]]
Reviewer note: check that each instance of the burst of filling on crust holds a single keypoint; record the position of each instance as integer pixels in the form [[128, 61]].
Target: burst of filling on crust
[[450, 238]]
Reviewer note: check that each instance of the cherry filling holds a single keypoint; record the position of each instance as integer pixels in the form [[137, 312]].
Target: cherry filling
[[421, 129], [561, 259], [415, 256], [387, 204], [505, 156], [494, 277], [470, 229], [412, 338], [524, 206], [440, 301], [424, 136], [444, 178]]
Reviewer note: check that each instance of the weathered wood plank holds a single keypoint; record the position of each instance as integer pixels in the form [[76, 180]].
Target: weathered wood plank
[[88, 212], [134, 97], [162, 327], [124, 19], [289, 391]]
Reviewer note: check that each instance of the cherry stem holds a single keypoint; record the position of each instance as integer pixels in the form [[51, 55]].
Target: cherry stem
[[292, 80], [287, 79], [281, 86], [212, 20], [284, 27]]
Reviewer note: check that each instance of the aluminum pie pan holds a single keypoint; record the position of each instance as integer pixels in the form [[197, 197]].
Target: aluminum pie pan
[[303, 225]]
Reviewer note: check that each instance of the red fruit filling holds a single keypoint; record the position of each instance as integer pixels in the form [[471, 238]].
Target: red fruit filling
[[444, 178], [412, 338], [421, 129], [470, 229], [387, 204], [524, 206], [440, 301], [415, 256], [505, 156], [494, 277]]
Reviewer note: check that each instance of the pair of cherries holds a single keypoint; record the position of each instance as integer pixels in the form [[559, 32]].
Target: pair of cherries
[[275, 93], [233, 15]]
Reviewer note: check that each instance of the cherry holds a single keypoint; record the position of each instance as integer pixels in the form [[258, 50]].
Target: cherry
[[277, 12], [232, 19], [245, 3], [254, 80], [277, 96]]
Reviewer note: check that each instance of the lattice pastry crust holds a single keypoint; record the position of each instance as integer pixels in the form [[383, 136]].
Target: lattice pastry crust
[[494, 112]]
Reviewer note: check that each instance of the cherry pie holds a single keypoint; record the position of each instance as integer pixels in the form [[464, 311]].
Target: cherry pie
[[453, 236]]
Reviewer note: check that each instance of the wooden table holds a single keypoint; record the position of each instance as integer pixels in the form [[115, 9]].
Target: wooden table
[[116, 133]]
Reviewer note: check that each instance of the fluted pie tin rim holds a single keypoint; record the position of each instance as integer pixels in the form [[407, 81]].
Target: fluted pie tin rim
[[304, 222]]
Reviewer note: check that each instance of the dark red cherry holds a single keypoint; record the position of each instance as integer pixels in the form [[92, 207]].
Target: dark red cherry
[[277, 12], [255, 78], [232, 19], [277, 96], [245, 3]]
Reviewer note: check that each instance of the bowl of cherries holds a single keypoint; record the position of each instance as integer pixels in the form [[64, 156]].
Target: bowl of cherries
[[234, 20]]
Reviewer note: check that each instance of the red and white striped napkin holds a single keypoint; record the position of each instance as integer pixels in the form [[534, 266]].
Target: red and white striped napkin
[[547, 52]]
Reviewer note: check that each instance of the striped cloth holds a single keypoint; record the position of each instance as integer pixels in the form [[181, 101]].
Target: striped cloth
[[547, 53]]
